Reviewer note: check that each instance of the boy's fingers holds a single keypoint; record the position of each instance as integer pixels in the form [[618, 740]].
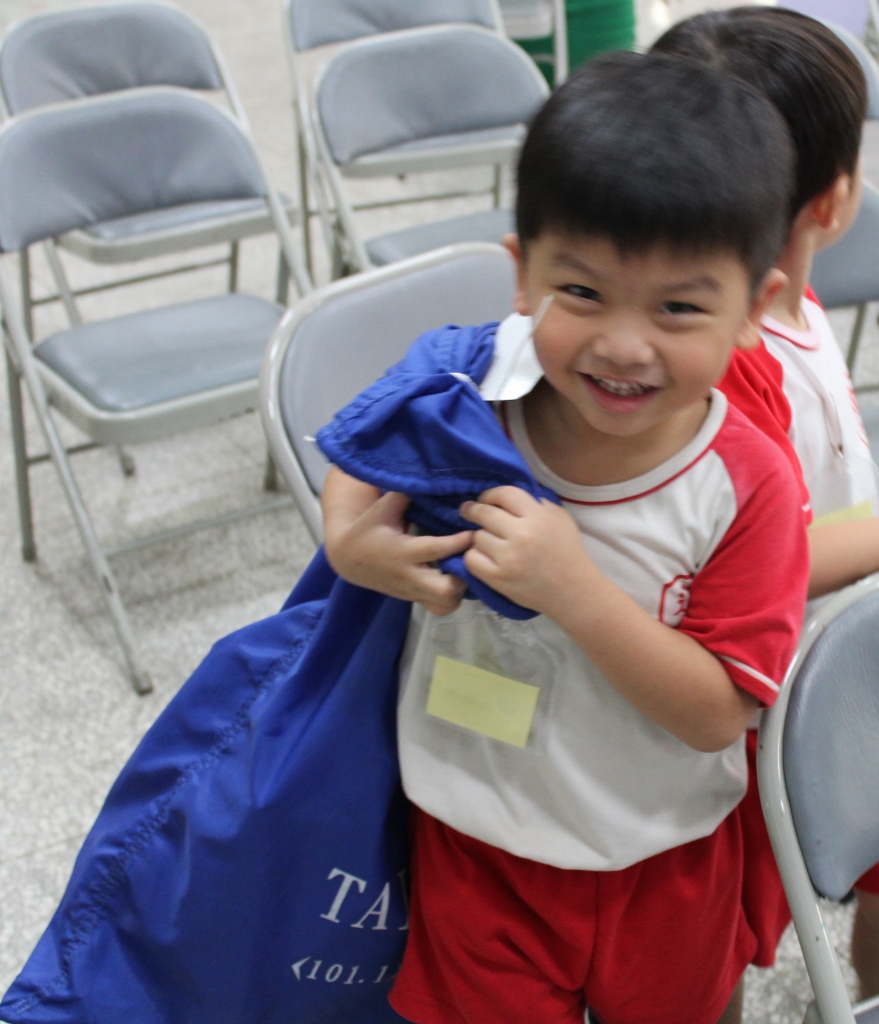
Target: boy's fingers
[[491, 517], [511, 499], [432, 549]]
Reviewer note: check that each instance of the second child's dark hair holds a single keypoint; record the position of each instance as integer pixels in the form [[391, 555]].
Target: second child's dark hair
[[647, 149], [799, 64]]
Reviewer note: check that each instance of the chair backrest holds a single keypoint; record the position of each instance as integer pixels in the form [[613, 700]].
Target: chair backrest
[[76, 164], [831, 749], [846, 273], [315, 23], [344, 336], [422, 83], [85, 51], [868, 65]]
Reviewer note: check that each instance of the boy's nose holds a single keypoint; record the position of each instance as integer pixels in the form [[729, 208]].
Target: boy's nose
[[624, 343]]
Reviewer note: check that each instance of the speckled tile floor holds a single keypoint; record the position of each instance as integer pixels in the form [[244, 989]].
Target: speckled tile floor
[[69, 718]]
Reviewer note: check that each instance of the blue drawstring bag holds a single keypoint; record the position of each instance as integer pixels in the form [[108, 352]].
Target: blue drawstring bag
[[249, 864]]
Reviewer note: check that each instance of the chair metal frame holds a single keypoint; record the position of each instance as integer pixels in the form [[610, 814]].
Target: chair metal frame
[[48, 391], [315, 194], [231, 227], [498, 155], [832, 1004], [287, 451]]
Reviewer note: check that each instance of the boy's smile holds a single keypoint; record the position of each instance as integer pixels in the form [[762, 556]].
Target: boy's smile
[[631, 345]]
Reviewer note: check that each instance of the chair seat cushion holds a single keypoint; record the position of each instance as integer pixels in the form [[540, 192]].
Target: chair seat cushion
[[507, 136], [172, 217], [486, 226], [138, 360]]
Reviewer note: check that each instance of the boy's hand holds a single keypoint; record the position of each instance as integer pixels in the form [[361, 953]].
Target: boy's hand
[[367, 543], [530, 551]]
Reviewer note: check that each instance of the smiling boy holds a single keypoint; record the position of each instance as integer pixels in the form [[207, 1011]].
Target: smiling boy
[[581, 845]]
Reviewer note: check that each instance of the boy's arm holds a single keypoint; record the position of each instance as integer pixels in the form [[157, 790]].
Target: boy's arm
[[367, 542], [533, 553], [842, 553]]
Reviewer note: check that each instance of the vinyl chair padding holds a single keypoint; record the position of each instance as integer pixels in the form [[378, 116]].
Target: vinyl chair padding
[[831, 750], [166, 353], [123, 154], [486, 226], [847, 273], [407, 87], [85, 51], [337, 21]]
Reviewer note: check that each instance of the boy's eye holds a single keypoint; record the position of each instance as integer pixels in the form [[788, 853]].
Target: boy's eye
[[581, 291], [681, 308]]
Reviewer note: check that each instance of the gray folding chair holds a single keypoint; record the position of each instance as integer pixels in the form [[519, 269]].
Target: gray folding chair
[[65, 55], [146, 374], [437, 98], [818, 768], [540, 19], [847, 274], [345, 335], [314, 24]]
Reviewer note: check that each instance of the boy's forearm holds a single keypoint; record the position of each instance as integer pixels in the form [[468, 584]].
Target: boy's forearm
[[343, 500], [842, 553], [666, 675]]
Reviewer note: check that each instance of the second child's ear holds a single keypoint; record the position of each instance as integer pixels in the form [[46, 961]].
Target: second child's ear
[[771, 286], [520, 300]]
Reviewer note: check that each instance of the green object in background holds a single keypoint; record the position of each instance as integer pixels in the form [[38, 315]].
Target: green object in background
[[593, 27]]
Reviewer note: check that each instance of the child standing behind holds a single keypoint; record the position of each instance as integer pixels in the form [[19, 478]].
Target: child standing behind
[[816, 83], [577, 839]]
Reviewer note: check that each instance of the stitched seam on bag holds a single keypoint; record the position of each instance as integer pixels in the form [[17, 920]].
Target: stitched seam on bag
[[100, 893]]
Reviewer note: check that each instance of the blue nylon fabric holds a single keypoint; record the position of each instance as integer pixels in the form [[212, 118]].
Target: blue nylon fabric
[[247, 865], [206, 874], [430, 435]]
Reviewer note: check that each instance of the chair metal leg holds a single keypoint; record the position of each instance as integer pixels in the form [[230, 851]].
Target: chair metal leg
[[19, 447], [303, 204], [104, 574], [282, 287], [855, 339], [497, 185], [234, 251], [270, 480], [126, 461]]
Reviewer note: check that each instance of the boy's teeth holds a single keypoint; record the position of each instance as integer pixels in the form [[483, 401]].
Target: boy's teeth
[[618, 387]]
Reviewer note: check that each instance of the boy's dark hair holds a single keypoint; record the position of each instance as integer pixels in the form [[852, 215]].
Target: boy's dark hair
[[647, 149], [802, 67]]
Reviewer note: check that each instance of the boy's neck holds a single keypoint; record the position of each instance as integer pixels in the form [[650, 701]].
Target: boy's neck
[[796, 262], [580, 455]]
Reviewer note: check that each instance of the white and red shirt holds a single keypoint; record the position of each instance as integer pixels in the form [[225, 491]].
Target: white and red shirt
[[712, 543], [826, 429]]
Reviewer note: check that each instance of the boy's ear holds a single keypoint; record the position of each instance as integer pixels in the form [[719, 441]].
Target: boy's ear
[[520, 300], [772, 284], [825, 208]]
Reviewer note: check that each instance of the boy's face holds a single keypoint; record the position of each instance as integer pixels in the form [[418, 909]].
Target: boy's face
[[634, 343]]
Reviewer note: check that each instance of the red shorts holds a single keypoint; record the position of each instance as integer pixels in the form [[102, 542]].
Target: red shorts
[[496, 939], [869, 882]]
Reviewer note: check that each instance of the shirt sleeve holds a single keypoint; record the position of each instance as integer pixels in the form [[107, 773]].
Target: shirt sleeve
[[747, 602], [753, 384]]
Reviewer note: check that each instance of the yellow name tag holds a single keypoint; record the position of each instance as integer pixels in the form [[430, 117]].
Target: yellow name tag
[[845, 515], [482, 701]]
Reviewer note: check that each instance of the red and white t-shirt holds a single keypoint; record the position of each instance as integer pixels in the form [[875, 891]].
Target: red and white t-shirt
[[712, 543], [825, 429]]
